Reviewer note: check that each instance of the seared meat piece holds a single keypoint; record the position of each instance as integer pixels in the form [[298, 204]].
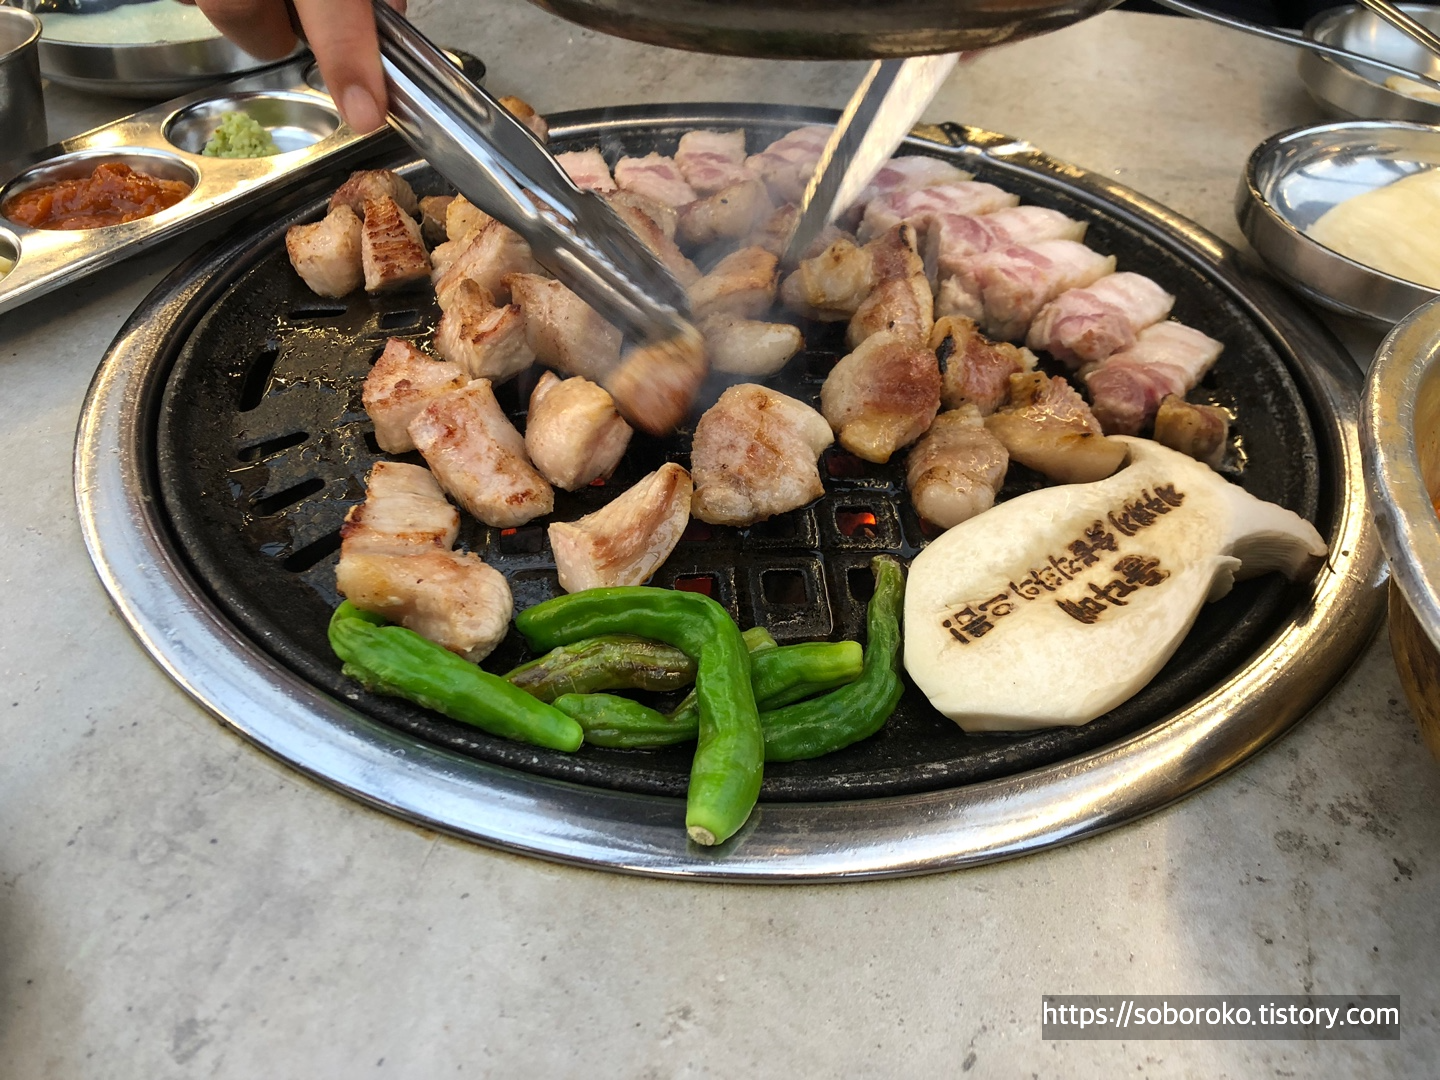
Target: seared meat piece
[[403, 381], [463, 218], [773, 233], [956, 468], [728, 214], [975, 370], [326, 254], [573, 432], [1003, 289], [754, 455], [562, 330], [656, 383], [882, 396], [650, 226], [1202, 431], [1126, 387], [491, 254], [952, 238], [742, 283], [625, 541], [404, 512], [902, 305], [659, 213], [391, 251], [1085, 325], [832, 285], [713, 160], [739, 346], [369, 184], [787, 163], [443, 256], [916, 205], [433, 209], [654, 176], [1046, 426], [488, 341], [522, 111], [588, 169], [479, 457]]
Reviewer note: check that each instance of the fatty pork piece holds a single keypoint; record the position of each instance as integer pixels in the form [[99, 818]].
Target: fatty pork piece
[[326, 254], [882, 396], [1046, 426], [914, 172], [625, 541], [462, 218], [951, 238], [1126, 387], [395, 561], [742, 283], [656, 177], [727, 214], [654, 224], [787, 163], [392, 252], [711, 161], [573, 432], [956, 468], [489, 256], [756, 350], [1003, 289], [774, 231], [655, 383], [479, 457], [433, 210], [401, 383], [1202, 431], [588, 169], [831, 286], [916, 206], [526, 114], [369, 184], [661, 214], [973, 369], [902, 305], [1085, 325], [488, 341], [755, 455], [563, 331]]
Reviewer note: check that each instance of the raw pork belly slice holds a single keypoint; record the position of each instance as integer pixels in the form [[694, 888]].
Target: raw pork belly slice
[[625, 541], [786, 164], [962, 197], [712, 160], [952, 238], [588, 169], [1003, 290], [1085, 325], [1126, 387], [910, 173], [654, 176], [403, 381]]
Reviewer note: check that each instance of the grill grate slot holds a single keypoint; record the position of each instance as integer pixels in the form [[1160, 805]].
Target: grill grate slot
[[256, 383], [272, 504], [311, 555]]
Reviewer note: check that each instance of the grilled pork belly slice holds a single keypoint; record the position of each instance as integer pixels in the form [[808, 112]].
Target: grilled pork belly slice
[[656, 177], [404, 512], [1085, 325], [1003, 289], [588, 169], [1126, 387], [490, 255], [742, 283], [832, 285], [462, 218], [573, 432], [727, 214], [625, 541], [401, 383], [951, 238], [479, 457], [443, 256], [713, 160], [755, 455], [369, 184], [787, 163], [903, 306], [488, 341], [756, 350], [956, 468], [659, 213], [915, 206], [1046, 426], [655, 383], [655, 227], [882, 396], [326, 254], [433, 209], [562, 330], [774, 231], [1201, 431], [525, 113], [975, 370], [392, 252]]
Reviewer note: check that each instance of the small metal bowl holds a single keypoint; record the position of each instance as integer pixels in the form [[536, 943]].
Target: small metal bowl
[[1400, 442], [294, 121], [1349, 88], [1294, 177]]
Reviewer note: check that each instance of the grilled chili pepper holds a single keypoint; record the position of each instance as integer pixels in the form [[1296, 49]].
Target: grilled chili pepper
[[729, 757], [399, 662]]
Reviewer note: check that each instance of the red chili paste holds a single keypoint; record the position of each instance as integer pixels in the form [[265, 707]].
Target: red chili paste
[[113, 193]]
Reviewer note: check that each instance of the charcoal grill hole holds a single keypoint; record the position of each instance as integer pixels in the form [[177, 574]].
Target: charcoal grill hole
[[777, 528], [857, 521], [317, 311], [843, 464], [699, 583], [393, 320], [785, 588], [272, 504], [861, 582], [697, 532], [312, 553], [527, 540], [272, 446], [256, 382]]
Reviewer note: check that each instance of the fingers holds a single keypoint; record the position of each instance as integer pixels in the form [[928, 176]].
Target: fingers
[[260, 27], [341, 33]]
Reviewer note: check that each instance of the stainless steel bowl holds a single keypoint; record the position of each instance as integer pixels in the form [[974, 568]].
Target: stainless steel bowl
[[1294, 177], [1400, 441], [160, 69], [1347, 88]]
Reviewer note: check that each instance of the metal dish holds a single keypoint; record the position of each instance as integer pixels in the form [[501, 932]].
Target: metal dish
[[229, 355], [1400, 438], [1348, 88], [1294, 177]]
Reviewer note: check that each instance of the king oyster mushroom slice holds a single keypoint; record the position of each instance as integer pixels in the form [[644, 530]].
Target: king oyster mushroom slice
[[1054, 607]]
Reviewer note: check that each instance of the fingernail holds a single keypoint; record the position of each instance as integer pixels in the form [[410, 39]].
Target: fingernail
[[360, 110]]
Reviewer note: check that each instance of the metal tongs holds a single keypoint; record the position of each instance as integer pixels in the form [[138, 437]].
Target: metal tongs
[[500, 166]]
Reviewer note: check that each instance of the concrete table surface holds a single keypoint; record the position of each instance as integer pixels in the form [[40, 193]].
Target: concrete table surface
[[173, 903]]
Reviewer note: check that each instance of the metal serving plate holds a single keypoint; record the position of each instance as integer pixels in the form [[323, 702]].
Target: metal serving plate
[[1348, 88], [1292, 178], [223, 440]]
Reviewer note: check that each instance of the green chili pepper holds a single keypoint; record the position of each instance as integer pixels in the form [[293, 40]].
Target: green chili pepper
[[729, 756], [608, 662], [395, 661]]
